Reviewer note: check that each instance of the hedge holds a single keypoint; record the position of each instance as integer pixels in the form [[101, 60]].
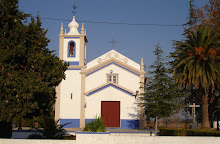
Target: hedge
[[188, 132]]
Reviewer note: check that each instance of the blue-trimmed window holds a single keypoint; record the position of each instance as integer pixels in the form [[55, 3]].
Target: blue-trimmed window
[[71, 49]]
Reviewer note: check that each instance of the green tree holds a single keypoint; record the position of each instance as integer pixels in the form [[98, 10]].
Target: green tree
[[162, 97], [197, 64], [191, 18], [28, 68], [207, 15]]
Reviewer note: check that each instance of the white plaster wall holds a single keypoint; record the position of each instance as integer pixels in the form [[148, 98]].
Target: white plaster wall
[[27, 141], [130, 139], [140, 139], [128, 108], [125, 78], [70, 108], [93, 139], [112, 52], [77, 42], [119, 139]]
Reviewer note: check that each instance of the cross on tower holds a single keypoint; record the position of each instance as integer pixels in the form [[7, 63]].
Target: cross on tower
[[113, 42], [194, 114], [74, 10]]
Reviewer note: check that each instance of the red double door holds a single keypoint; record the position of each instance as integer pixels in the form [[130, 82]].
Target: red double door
[[110, 112]]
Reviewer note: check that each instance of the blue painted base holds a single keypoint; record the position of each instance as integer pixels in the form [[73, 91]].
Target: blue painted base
[[129, 124], [125, 123], [88, 120], [74, 123]]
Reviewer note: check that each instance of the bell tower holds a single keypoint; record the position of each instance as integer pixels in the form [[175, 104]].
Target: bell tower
[[72, 47], [70, 93]]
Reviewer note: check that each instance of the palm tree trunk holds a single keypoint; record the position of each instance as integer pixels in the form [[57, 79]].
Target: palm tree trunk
[[205, 110]]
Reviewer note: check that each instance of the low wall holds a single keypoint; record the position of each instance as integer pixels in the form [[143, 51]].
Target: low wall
[[162, 140], [23, 134], [119, 138], [27, 141]]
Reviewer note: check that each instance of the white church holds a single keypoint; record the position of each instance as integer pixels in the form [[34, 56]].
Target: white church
[[108, 86]]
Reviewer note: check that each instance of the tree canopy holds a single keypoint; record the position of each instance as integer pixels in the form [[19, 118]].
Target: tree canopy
[[209, 14], [29, 70]]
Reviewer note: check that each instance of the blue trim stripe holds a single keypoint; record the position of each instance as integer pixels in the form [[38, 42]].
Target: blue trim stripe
[[109, 86], [70, 37], [125, 124], [92, 132], [74, 68], [126, 69], [88, 120], [74, 63], [132, 132], [74, 123], [110, 64], [129, 124]]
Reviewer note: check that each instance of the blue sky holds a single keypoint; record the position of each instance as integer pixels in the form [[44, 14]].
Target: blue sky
[[135, 42]]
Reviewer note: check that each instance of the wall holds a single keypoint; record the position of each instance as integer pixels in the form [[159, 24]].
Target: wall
[[70, 108], [161, 140], [118, 139], [123, 138], [25, 141], [129, 110], [125, 78], [23, 134]]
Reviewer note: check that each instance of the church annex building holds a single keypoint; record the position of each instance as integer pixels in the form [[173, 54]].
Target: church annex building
[[107, 86]]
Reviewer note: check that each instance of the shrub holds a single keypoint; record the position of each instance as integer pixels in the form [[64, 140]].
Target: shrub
[[188, 132], [70, 137], [51, 130], [5, 129], [202, 132], [172, 132], [35, 136], [96, 125]]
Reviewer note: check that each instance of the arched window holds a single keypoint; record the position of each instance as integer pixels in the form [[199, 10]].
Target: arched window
[[72, 49]]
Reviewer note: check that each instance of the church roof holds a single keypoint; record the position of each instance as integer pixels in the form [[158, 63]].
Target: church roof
[[115, 58], [113, 61], [113, 54]]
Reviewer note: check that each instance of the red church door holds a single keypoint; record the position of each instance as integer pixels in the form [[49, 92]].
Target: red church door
[[110, 112]]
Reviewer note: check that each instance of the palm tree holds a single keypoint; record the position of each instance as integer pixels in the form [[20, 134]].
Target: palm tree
[[197, 64]]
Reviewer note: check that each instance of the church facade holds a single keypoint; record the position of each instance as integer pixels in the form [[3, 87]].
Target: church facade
[[106, 87]]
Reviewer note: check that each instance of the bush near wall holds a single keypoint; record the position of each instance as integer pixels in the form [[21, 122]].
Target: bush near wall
[[188, 132], [96, 125]]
